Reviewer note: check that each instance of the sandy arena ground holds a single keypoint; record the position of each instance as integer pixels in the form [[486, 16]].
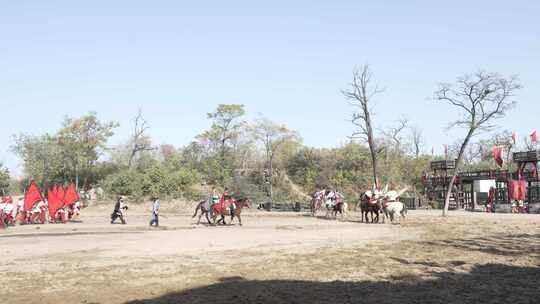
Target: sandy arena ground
[[274, 258]]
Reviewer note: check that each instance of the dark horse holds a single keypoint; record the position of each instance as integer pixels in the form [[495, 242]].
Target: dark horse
[[204, 207], [372, 206]]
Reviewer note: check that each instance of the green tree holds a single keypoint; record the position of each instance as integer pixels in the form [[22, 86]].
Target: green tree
[[4, 179], [83, 140], [304, 168], [41, 155], [226, 128], [273, 137]]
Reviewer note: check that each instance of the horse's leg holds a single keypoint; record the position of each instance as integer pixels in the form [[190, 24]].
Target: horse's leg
[[222, 220], [207, 218], [199, 221], [239, 219]]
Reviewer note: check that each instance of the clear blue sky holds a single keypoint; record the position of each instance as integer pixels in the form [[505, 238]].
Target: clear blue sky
[[286, 60]]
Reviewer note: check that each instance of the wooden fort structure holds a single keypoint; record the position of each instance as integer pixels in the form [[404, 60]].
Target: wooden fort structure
[[471, 189]]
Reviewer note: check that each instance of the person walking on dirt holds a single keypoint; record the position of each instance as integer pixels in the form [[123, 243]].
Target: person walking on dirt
[[119, 208], [155, 212]]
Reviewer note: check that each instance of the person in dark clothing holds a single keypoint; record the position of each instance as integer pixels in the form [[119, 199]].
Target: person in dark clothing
[[155, 212], [119, 208]]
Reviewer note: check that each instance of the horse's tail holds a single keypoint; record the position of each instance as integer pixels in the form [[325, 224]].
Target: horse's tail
[[197, 209]]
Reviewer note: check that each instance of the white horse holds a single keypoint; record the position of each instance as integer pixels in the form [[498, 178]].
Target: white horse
[[392, 207]]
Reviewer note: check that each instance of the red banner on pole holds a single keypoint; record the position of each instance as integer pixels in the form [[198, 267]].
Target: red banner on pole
[[32, 196], [498, 155], [71, 196], [54, 203]]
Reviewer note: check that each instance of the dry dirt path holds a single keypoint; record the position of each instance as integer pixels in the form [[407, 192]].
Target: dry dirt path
[[273, 258]]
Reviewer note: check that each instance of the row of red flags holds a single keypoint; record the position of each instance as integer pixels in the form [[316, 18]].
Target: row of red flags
[[57, 197], [534, 138]]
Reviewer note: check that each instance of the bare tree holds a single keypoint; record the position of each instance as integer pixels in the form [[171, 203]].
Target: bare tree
[[394, 132], [139, 140], [417, 139], [481, 99], [360, 96]]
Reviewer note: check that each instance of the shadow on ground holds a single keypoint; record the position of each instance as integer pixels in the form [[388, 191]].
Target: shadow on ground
[[506, 245], [491, 283]]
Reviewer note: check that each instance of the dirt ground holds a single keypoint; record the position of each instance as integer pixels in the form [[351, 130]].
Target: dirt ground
[[274, 258]]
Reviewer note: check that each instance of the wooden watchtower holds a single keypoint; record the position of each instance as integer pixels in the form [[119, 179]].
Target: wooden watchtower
[[437, 182]]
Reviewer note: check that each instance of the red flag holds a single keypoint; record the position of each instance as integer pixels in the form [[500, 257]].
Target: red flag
[[32, 196], [54, 203], [55, 190], [514, 136], [534, 137], [61, 193], [71, 196], [498, 155], [221, 203]]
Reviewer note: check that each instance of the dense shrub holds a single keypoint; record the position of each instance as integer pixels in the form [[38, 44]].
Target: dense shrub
[[125, 182]]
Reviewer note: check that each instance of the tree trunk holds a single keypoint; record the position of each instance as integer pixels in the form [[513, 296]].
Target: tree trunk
[[456, 170], [271, 173], [76, 178], [372, 149]]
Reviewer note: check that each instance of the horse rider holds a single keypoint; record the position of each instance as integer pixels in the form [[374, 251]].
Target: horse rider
[[119, 208], [213, 199], [3, 203], [155, 212], [3, 216], [10, 210], [20, 210], [39, 212], [221, 203], [331, 198]]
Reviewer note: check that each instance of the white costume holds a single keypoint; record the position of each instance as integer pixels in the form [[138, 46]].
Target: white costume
[[76, 208], [331, 199], [10, 209], [392, 196], [20, 204], [39, 207]]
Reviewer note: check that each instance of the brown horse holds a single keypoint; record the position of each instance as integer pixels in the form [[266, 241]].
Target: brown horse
[[317, 200], [371, 206], [204, 207], [233, 212], [340, 207]]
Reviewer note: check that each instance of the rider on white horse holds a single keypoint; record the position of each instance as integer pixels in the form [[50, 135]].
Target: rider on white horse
[[392, 205], [331, 198]]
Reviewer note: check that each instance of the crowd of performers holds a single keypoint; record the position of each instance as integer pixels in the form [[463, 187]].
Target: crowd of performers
[[374, 201], [58, 206]]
